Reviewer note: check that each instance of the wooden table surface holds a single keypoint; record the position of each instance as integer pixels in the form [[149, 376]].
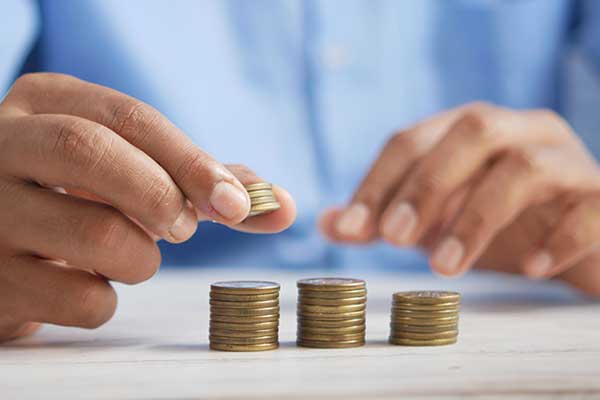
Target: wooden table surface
[[517, 340]]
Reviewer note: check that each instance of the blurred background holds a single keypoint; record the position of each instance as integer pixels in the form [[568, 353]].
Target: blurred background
[[306, 92]]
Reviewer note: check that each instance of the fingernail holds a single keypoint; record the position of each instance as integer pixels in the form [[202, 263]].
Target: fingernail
[[185, 225], [400, 224], [540, 265], [229, 201], [353, 220], [447, 256]]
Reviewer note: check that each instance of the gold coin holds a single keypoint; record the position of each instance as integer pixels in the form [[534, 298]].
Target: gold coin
[[330, 284], [427, 297], [244, 347], [258, 186], [245, 304], [423, 336], [262, 200], [263, 209], [330, 338], [244, 311], [423, 329], [342, 294], [239, 340], [332, 331], [331, 302], [417, 342], [424, 321], [304, 308], [260, 193], [426, 307], [242, 334], [244, 319], [244, 287], [244, 297], [330, 345], [337, 316], [319, 323], [273, 205], [423, 314], [257, 326]]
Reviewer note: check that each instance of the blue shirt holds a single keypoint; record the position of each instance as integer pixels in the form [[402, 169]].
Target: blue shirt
[[305, 92]]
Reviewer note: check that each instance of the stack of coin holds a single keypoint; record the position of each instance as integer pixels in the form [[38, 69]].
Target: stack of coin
[[331, 312], [244, 316], [424, 318], [262, 198]]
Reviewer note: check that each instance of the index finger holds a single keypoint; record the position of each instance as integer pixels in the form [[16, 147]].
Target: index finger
[[206, 183], [357, 222]]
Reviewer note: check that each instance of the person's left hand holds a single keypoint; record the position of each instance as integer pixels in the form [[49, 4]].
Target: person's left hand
[[486, 186]]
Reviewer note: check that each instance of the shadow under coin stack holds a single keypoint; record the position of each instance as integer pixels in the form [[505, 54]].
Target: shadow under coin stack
[[331, 312], [262, 198], [244, 316], [424, 318]]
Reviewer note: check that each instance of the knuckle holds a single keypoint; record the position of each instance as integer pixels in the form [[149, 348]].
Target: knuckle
[[428, 184], [33, 80], [480, 107], [371, 195], [25, 81], [133, 257], [474, 125], [74, 141], [29, 80], [402, 140], [107, 230], [162, 197], [133, 119], [473, 221], [194, 166], [521, 161], [96, 304]]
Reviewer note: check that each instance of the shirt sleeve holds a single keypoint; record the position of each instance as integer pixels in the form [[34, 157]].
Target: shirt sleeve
[[18, 30]]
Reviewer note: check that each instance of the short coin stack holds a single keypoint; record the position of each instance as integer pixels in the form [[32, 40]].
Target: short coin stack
[[424, 318], [262, 198], [244, 316], [331, 312]]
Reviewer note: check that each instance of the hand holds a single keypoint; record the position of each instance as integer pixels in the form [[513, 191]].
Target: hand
[[486, 186], [89, 179]]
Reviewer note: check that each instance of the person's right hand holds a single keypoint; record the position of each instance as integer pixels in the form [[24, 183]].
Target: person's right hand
[[89, 179]]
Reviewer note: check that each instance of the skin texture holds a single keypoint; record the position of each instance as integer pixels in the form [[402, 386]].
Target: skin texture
[[90, 179], [487, 187]]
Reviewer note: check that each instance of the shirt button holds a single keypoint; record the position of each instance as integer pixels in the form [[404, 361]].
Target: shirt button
[[335, 57]]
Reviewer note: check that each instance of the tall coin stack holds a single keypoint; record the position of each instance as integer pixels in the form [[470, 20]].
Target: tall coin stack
[[331, 312], [424, 318], [244, 316], [262, 198]]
